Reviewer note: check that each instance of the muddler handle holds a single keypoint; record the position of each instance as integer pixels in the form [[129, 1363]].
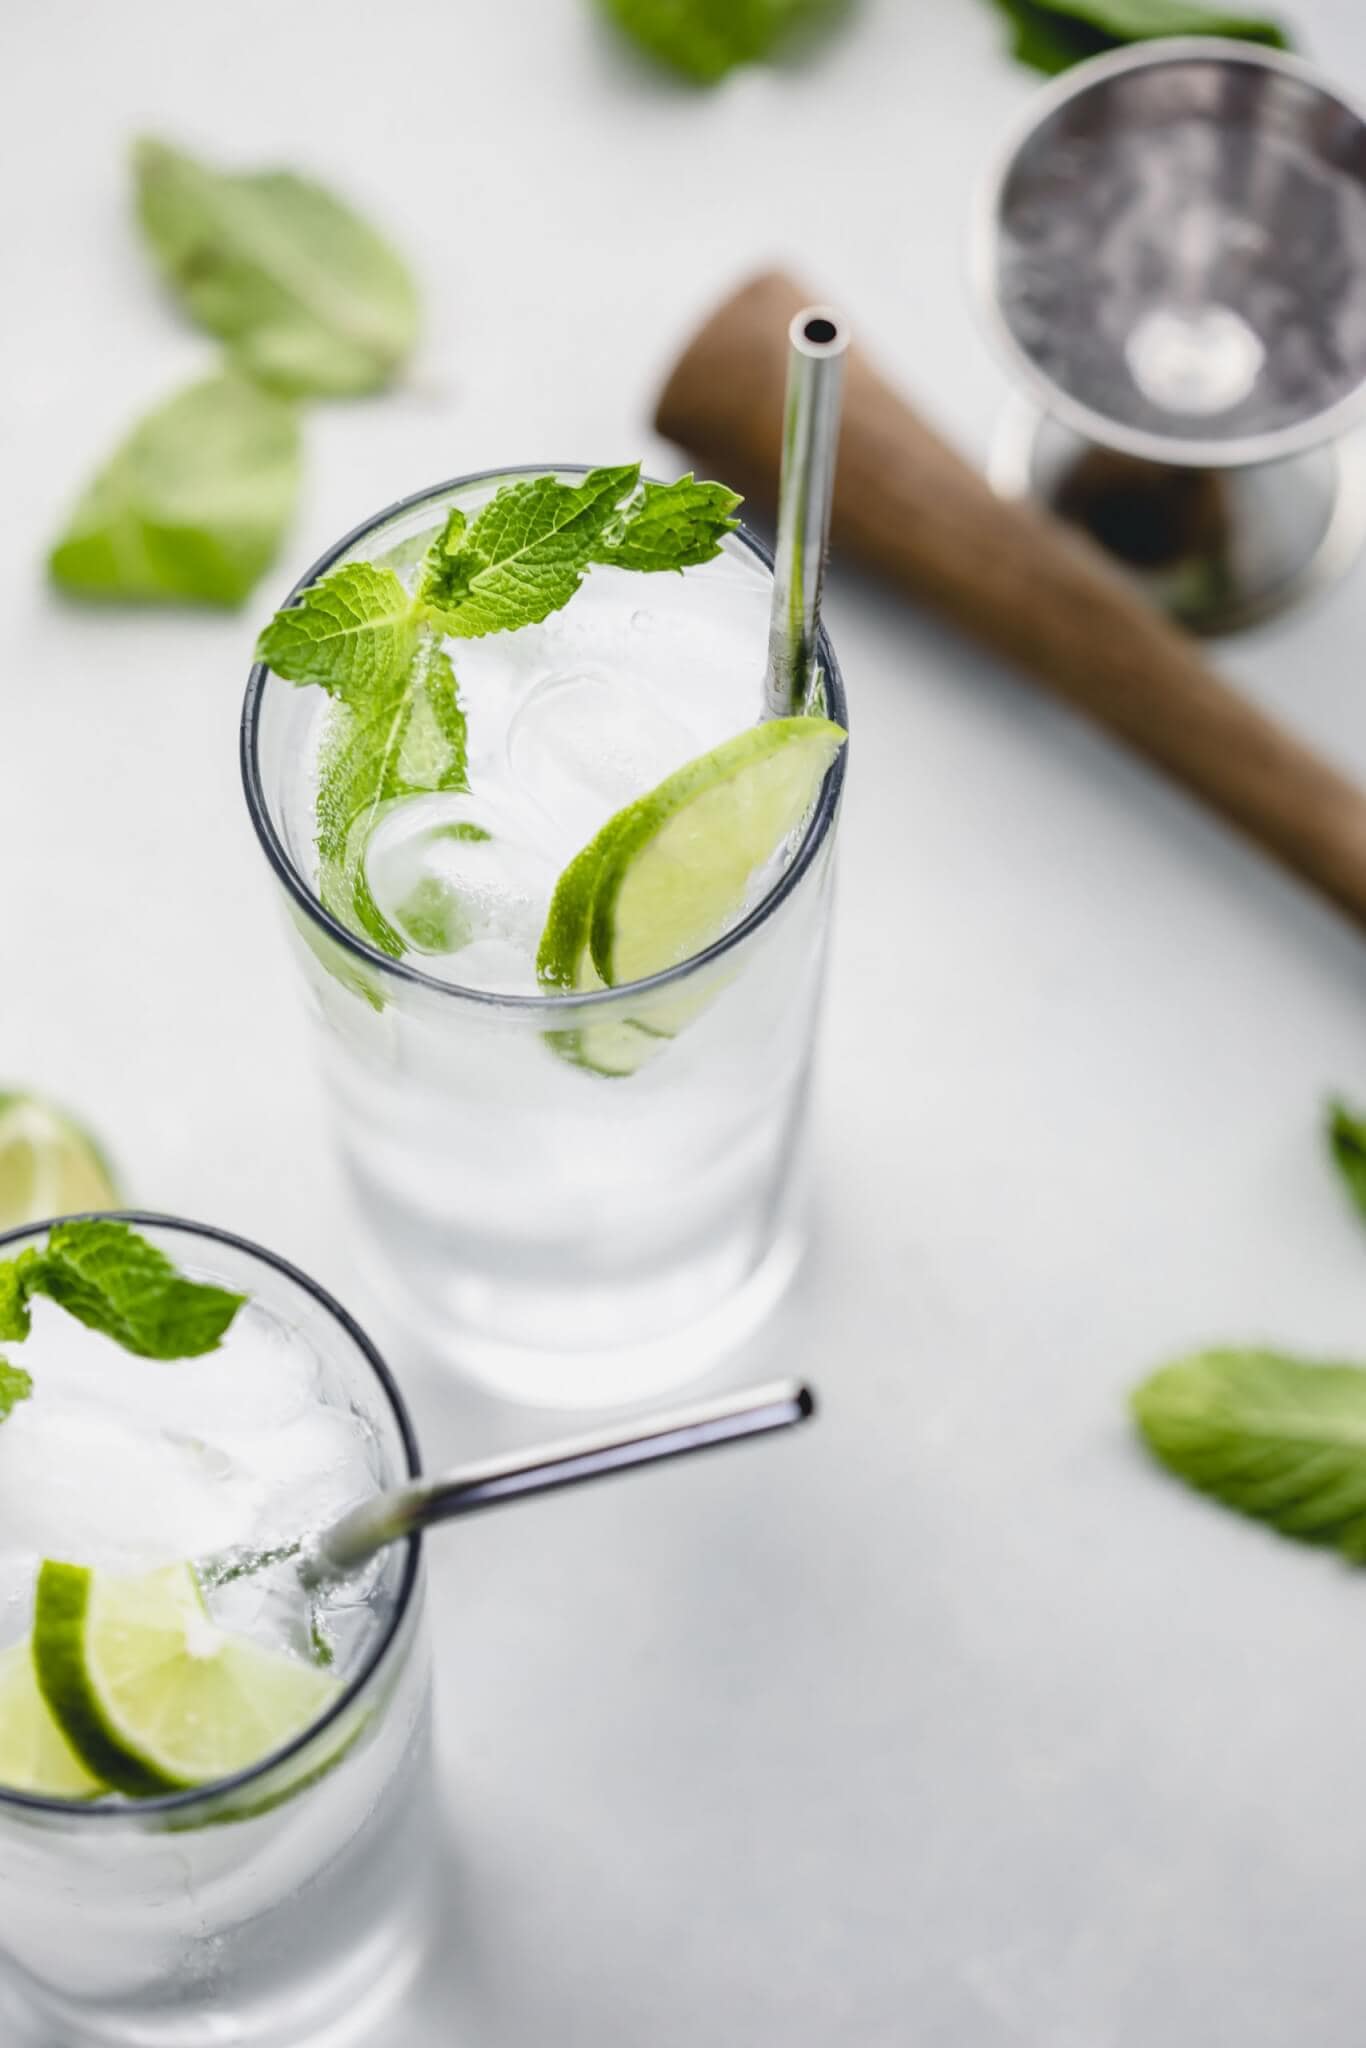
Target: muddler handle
[[1018, 580]]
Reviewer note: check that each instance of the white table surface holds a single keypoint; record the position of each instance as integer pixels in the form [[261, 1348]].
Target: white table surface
[[953, 1722]]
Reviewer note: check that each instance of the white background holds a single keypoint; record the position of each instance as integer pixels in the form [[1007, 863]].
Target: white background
[[953, 1723]]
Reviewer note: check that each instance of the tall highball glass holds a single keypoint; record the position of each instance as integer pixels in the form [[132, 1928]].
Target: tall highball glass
[[567, 1232]]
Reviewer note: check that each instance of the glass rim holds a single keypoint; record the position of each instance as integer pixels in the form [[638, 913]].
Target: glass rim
[[558, 1002], [82, 1811]]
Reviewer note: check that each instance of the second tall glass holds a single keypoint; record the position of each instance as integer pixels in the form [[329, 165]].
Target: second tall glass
[[290, 1902]]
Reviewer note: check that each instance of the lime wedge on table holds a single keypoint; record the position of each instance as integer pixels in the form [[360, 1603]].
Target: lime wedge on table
[[34, 1754], [149, 1692], [49, 1166], [671, 871]]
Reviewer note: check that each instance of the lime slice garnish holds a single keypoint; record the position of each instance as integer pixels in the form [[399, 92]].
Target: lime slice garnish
[[676, 869], [150, 1693], [49, 1166], [563, 959], [670, 872], [34, 1754], [605, 1045]]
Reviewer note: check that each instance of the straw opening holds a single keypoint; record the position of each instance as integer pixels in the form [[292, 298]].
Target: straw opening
[[817, 332]]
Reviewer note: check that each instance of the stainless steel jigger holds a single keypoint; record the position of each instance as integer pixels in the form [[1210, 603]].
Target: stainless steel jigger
[[1173, 260]]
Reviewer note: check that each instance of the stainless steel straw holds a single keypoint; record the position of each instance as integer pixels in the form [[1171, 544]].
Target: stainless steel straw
[[339, 1550], [811, 424]]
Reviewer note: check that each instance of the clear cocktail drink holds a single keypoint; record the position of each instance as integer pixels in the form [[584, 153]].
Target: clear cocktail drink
[[582, 1192], [284, 1900]]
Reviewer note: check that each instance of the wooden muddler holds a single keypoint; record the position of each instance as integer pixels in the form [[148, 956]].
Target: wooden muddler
[[1019, 581]]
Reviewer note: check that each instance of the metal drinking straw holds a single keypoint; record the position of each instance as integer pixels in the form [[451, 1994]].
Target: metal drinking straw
[[389, 1517], [811, 420]]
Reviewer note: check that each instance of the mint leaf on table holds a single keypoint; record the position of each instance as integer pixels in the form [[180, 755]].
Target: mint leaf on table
[[1271, 1436], [15, 1386], [1050, 35], [671, 526], [704, 39], [525, 553], [406, 739], [190, 508], [115, 1282], [353, 632], [1347, 1143], [306, 295]]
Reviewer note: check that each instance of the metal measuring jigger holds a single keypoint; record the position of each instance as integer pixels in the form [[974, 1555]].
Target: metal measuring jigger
[[1173, 260]]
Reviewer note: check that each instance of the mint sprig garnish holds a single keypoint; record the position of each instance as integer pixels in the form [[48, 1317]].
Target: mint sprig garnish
[[528, 550], [1275, 1438], [522, 557], [397, 729], [304, 292], [112, 1280], [192, 506]]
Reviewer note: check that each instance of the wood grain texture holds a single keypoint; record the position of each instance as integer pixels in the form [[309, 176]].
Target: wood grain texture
[[1018, 581]]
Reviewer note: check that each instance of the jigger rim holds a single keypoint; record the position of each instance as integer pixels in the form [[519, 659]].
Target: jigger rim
[[1192, 451]]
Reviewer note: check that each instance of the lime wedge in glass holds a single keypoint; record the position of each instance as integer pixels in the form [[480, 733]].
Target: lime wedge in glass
[[606, 1045], [49, 1166], [34, 1754], [669, 873], [150, 1693]]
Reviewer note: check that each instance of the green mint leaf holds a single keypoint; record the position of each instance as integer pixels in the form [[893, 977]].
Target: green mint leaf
[[354, 633], [525, 553], [1050, 35], [407, 740], [704, 39], [1270, 1436], [115, 1282], [1347, 1143], [192, 506], [15, 1288], [306, 295], [671, 526], [15, 1386], [438, 573]]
